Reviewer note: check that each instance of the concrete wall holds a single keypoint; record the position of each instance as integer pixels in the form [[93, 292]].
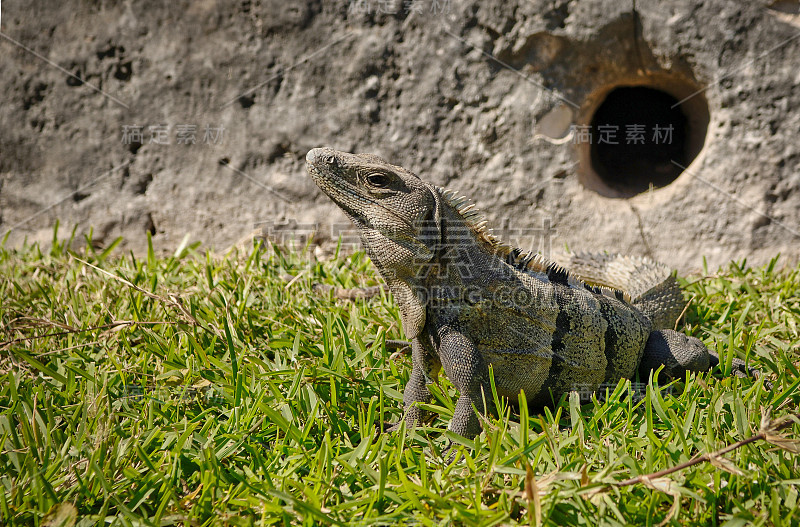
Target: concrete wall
[[496, 99]]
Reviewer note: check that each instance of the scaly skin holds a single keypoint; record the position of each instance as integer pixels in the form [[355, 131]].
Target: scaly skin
[[469, 303]]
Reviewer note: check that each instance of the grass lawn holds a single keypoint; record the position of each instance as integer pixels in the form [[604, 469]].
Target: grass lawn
[[203, 390]]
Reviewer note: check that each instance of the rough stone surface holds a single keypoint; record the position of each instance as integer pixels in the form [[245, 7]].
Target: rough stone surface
[[417, 87]]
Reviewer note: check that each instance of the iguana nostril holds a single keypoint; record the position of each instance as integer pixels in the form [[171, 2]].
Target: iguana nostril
[[311, 156], [317, 156]]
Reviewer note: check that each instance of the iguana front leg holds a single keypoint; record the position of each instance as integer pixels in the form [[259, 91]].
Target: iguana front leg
[[425, 367], [468, 372]]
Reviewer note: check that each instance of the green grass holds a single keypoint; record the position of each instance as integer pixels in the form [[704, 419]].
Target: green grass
[[200, 389]]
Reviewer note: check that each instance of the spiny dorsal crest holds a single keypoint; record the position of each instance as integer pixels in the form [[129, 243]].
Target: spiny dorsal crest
[[526, 261]]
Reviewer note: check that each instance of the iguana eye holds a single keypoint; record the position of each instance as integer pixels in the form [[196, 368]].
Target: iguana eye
[[378, 180]]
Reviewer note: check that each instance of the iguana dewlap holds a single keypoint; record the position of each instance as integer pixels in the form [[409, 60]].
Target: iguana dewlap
[[468, 302]]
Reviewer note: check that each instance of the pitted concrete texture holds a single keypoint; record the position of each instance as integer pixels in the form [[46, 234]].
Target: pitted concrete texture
[[194, 117]]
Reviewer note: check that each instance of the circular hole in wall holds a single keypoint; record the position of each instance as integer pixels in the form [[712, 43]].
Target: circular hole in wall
[[641, 136]]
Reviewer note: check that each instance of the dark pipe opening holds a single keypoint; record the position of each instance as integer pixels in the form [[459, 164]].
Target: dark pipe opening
[[641, 138]]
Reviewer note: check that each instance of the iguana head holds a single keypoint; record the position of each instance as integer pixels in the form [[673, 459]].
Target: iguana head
[[396, 213], [394, 210]]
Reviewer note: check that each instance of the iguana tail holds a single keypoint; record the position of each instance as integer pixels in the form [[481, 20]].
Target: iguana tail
[[651, 286]]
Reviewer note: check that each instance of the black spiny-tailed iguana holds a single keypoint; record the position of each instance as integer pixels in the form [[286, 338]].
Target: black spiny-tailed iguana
[[468, 302]]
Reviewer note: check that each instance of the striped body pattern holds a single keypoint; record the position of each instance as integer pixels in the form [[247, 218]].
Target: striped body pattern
[[541, 329]]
